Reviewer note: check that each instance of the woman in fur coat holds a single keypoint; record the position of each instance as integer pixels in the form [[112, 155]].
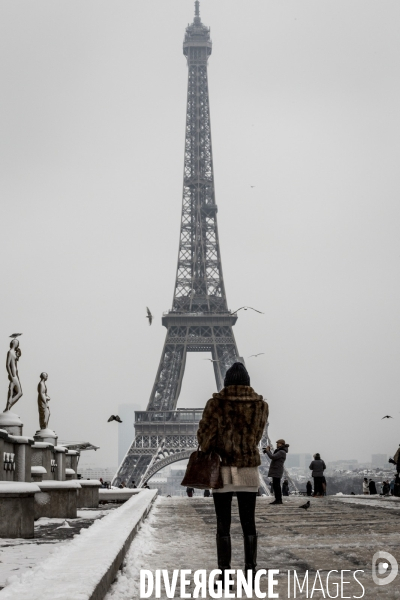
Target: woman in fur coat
[[232, 425]]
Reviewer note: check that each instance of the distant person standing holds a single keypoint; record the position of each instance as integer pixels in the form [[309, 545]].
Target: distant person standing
[[391, 485], [309, 488], [276, 467], [317, 466], [189, 492], [372, 487], [207, 493], [365, 487], [285, 488]]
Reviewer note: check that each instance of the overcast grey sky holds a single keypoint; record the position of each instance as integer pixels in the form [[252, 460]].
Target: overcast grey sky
[[305, 100]]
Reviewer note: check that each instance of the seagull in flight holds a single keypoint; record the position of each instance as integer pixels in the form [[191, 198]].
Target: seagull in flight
[[114, 418], [211, 360], [259, 354], [149, 315], [15, 335], [387, 417], [246, 308]]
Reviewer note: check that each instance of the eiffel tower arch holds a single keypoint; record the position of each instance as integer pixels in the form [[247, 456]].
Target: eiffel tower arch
[[199, 319]]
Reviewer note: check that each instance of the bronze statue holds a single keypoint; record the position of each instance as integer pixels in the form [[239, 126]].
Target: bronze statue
[[14, 389], [43, 402]]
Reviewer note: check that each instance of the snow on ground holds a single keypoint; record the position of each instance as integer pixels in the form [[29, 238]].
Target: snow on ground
[[19, 555], [180, 534], [165, 542], [74, 569], [380, 503]]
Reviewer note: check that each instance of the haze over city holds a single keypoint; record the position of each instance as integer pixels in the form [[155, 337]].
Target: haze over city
[[306, 129]]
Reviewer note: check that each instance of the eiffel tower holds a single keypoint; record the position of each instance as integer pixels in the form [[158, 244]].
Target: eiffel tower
[[199, 320]]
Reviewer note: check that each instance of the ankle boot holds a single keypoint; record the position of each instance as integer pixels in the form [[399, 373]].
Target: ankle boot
[[250, 554], [224, 553]]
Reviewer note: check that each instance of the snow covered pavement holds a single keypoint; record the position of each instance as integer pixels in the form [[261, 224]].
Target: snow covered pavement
[[331, 535], [18, 555], [84, 568]]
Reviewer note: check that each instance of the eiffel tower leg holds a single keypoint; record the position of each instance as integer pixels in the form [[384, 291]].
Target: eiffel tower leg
[[225, 352], [136, 461], [143, 478], [168, 383]]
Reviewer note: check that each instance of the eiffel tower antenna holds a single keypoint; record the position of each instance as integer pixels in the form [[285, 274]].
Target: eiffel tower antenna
[[199, 320]]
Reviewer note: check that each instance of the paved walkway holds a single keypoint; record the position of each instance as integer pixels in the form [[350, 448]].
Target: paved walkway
[[332, 534]]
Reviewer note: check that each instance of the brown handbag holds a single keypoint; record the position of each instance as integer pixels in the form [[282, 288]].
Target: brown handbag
[[203, 471]]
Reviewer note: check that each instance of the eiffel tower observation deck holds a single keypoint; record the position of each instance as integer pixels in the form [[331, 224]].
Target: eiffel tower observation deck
[[199, 320]]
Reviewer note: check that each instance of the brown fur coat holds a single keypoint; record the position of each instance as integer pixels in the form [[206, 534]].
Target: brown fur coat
[[232, 424]]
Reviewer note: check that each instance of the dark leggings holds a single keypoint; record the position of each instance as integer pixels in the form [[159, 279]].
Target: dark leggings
[[276, 481], [247, 508], [318, 489]]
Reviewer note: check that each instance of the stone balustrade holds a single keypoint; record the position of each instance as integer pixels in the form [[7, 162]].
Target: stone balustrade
[[57, 499], [38, 479], [15, 457], [17, 509], [88, 495]]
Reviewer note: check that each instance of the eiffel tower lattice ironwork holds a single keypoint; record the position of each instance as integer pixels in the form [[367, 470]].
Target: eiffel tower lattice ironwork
[[199, 320]]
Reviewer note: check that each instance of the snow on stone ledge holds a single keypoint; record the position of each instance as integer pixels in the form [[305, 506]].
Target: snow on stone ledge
[[38, 470], [20, 439], [88, 482], [59, 485], [60, 448], [74, 571], [15, 487], [121, 492], [42, 445]]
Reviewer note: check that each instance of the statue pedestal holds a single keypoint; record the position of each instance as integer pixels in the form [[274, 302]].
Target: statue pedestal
[[11, 423], [46, 435]]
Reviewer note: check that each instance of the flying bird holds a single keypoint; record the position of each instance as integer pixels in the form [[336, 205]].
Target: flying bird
[[114, 418], [387, 417], [211, 360], [306, 505], [15, 335], [259, 354], [149, 315], [246, 308], [252, 186]]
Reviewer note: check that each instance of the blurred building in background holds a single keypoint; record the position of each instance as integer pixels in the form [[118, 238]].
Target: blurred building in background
[[93, 472]]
